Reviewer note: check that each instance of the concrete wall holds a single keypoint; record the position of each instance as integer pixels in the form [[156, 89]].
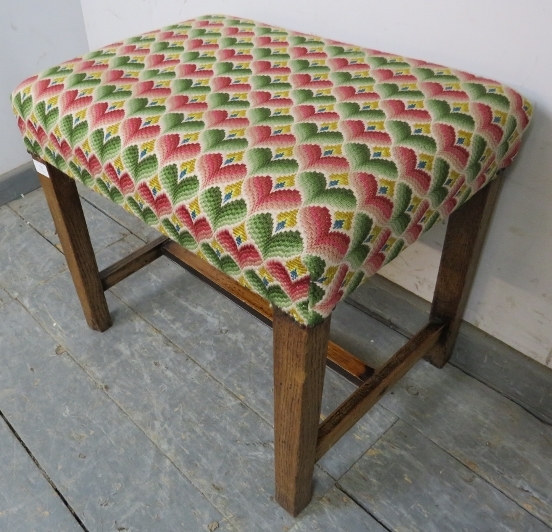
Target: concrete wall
[[503, 39], [34, 35]]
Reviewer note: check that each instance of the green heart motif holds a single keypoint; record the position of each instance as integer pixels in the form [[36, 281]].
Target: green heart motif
[[232, 213], [262, 116], [358, 250], [47, 119], [184, 238], [142, 212], [391, 90], [79, 81], [314, 188], [400, 218], [274, 293], [155, 73], [473, 168], [442, 112], [123, 62], [308, 133], [215, 140], [104, 150], [362, 160], [82, 175], [55, 159], [140, 106], [111, 92], [33, 146], [438, 192], [186, 86], [222, 100], [177, 123], [139, 168], [178, 190], [402, 136], [479, 93], [261, 162], [23, 107], [111, 192], [306, 96], [225, 263], [282, 244], [73, 133], [351, 110]]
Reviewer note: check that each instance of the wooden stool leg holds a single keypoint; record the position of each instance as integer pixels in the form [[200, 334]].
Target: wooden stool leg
[[464, 239], [65, 206], [299, 366]]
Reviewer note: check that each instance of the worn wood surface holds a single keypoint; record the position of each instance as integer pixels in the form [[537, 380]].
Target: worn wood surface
[[336, 512], [466, 231], [63, 200], [410, 484], [103, 231], [27, 501], [222, 446], [26, 259], [489, 360], [133, 262], [489, 434], [231, 351], [338, 358], [299, 366], [111, 474], [368, 394]]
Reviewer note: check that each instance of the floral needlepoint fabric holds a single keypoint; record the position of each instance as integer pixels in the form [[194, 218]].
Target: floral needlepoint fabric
[[295, 164]]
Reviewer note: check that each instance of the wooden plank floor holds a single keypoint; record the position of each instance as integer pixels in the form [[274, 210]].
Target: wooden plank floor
[[164, 422]]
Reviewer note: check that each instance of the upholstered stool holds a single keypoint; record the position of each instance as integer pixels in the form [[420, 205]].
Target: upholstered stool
[[285, 169]]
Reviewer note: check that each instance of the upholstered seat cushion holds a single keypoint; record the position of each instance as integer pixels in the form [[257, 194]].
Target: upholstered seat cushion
[[297, 165]]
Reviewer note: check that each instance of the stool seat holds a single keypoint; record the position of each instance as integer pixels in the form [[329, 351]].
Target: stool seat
[[295, 164]]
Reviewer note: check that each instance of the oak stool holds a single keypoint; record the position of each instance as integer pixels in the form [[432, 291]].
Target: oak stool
[[284, 169]]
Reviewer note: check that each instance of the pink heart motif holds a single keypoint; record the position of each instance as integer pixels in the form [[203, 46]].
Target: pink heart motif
[[70, 102], [311, 157], [43, 89], [171, 150], [262, 136], [124, 182], [409, 171], [319, 239], [92, 164], [333, 292], [447, 147], [61, 147], [260, 194], [379, 207], [246, 254], [133, 130], [160, 203], [212, 169], [199, 228], [99, 115], [355, 130], [296, 289]]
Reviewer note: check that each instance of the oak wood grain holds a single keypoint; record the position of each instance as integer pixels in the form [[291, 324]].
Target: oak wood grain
[[466, 231], [369, 393], [299, 366], [64, 203], [130, 264]]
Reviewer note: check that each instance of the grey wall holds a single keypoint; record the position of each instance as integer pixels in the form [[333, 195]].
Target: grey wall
[[34, 35]]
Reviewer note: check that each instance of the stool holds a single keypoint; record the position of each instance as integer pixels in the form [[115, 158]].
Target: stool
[[284, 169]]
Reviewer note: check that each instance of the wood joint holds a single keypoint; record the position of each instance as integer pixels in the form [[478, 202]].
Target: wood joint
[[369, 393], [130, 264]]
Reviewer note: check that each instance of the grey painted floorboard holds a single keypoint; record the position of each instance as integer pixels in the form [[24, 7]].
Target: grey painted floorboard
[[485, 431], [236, 348], [34, 209], [136, 226], [108, 470], [26, 259], [4, 297], [409, 483], [27, 501], [221, 445], [489, 360], [336, 512]]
